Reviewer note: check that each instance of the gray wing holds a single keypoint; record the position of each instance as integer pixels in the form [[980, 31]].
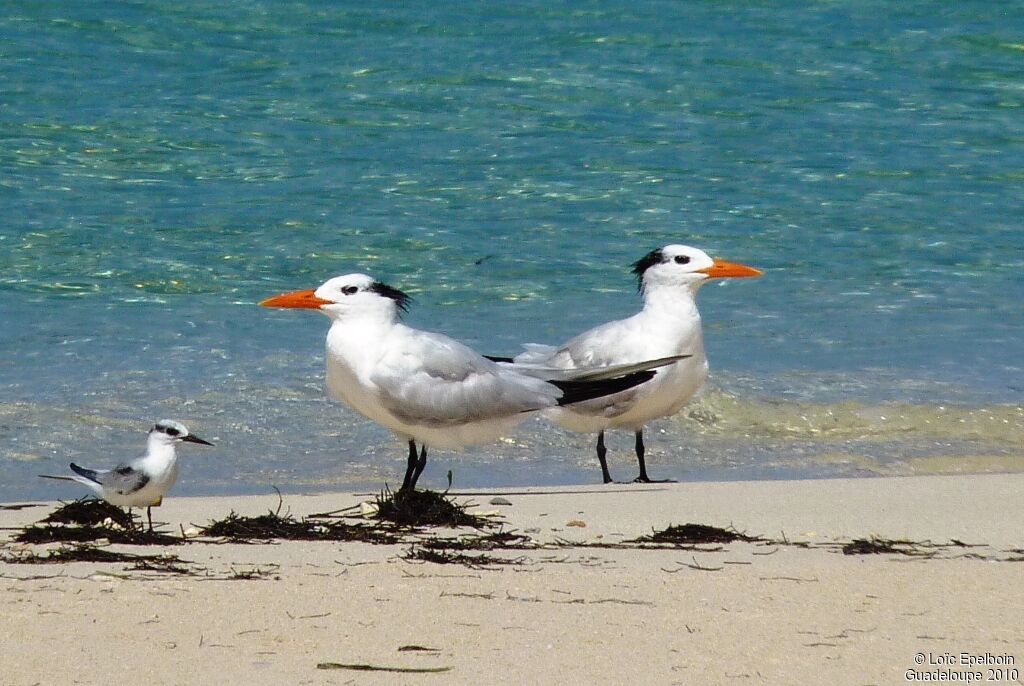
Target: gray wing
[[125, 479], [594, 373], [606, 345], [592, 348], [432, 380], [596, 347], [535, 354]]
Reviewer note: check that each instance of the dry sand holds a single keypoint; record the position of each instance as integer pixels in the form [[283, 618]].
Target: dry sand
[[734, 613]]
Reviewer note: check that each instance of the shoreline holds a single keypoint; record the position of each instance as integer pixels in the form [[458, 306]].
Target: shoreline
[[583, 604]]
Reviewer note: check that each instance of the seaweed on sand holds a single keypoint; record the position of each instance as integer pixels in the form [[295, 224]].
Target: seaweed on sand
[[412, 508], [85, 553], [437, 555], [454, 550], [879, 546], [498, 540], [274, 526], [90, 512], [695, 534], [83, 521], [87, 534]]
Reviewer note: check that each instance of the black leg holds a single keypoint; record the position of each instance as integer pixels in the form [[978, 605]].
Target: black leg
[[643, 478], [601, 452], [410, 467], [420, 464], [149, 515]]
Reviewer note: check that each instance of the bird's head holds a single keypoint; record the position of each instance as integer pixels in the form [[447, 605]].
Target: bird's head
[[677, 266], [346, 296], [168, 431]]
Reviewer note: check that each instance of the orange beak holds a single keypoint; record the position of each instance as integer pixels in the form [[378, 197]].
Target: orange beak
[[304, 300], [721, 269]]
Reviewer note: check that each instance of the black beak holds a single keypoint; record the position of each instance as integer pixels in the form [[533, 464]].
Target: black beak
[[195, 439]]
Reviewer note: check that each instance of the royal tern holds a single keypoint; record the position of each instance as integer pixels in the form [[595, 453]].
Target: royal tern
[[668, 324], [426, 387], [143, 481]]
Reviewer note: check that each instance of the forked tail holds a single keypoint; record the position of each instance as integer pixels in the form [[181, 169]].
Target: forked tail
[[85, 472]]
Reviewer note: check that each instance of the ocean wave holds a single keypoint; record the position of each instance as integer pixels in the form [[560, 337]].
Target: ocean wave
[[725, 414]]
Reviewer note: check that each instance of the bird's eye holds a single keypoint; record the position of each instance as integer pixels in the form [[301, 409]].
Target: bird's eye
[[171, 431], [682, 259], [349, 290]]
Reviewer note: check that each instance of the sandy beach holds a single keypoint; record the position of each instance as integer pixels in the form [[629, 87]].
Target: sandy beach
[[583, 603]]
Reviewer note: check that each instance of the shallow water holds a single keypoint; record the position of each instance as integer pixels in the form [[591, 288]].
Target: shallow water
[[163, 166]]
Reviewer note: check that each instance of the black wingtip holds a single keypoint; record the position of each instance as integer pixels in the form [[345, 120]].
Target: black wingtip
[[89, 474], [578, 391], [497, 358]]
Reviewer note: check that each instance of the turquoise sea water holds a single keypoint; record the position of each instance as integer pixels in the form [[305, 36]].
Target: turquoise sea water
[[165, 165]]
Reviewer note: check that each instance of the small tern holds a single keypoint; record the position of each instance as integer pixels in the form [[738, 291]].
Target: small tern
[[142, 482], [669, 324], [428, 388]]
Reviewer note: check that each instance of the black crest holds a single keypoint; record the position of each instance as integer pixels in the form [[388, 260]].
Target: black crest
[[401, 299], [646, 262]]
